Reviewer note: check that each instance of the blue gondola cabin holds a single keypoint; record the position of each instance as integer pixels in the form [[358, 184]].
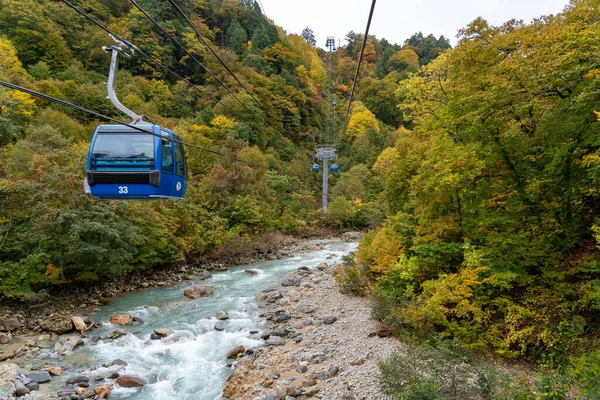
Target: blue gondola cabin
[[127, 164]]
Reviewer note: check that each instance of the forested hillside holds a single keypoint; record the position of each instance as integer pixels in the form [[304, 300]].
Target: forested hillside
[[52, 234], [491, 188]]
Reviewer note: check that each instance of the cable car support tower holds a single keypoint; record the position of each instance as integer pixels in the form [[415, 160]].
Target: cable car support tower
[[327, 151]]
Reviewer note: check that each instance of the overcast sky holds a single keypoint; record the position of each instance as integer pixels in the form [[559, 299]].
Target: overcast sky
[[397, 20]]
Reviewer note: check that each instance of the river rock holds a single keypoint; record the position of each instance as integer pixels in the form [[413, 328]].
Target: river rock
[[352, 236], [329, 320], [77, 379], [222, 315], [219, 327], [302, 367], [102, 391], [79, 324], [10, 323], [251, 272], [291, 281], [131, 381], [322, 266], [275, 341], [57, 324], [273, 297], [116, 333], [32, 386], [56, 371], [5, 338], [205, 275], [6, 354], [281, 317], [39, 377], [309, 382], [178, 337], [236, 351], [357, 362], [119, 362], [382, 332], [21, 389], [70, 345], [198, 292], [332, 371], [161, 333], [89, 394], [279, 332], [121, 319]]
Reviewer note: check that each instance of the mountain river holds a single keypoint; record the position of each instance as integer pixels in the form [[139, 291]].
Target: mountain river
[[195, 367]]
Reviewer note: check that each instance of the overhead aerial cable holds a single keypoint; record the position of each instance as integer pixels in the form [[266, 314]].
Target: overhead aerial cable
[[182, 47], [152, 60], [213, 51], [362, 50], [107, 118]]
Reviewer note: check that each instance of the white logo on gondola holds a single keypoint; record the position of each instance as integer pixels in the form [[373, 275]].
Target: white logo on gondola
[[178, 187]]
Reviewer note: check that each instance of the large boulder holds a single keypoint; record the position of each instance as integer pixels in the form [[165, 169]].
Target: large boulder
[[198, 292], [352, 236], [57, 324], [6, 354], [131, 381], [39, 377], [8, 376], [10, 323], [121, 319], [236, 351], [80, 324]]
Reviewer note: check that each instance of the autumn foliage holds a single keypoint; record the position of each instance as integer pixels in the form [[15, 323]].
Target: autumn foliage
[[492, 236]]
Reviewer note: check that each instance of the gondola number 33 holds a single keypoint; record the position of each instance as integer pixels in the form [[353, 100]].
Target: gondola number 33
[[123, 190]]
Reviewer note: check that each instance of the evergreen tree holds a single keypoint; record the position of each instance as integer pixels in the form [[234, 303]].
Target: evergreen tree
[[236, 37], [309, 36]]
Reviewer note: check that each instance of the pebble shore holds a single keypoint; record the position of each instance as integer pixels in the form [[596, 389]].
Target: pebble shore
[[321, 345]]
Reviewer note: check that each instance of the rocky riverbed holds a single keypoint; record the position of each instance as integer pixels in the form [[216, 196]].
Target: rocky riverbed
[[35, 341], [32, 313], [320, 344]]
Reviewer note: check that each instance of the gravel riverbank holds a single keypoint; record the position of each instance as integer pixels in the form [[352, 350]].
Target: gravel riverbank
[[322, 344]]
